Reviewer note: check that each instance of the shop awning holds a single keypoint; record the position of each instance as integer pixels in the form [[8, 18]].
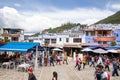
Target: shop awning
[[113, 47], [18, 46]]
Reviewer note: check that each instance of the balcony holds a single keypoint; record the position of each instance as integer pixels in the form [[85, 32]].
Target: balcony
[[104, 38], [10, 35]]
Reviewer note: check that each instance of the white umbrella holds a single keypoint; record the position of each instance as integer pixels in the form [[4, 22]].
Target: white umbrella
[[86, 49], [100, 51], [56, 49], [112, 51]]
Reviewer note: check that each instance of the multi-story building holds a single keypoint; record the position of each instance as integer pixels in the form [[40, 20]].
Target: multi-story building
[[11, 34], [103, 34], [70, 40]]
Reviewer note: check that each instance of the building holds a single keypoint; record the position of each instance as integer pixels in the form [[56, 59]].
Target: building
[[69, 40], [11, 34], [103, 34]]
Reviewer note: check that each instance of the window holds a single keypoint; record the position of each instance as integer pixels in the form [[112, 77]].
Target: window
[[86, 33], [47, 41], [59, 39], [92, 34], [67, 39], [53, 40], [15, 39], [77, 40], [0, 31], [104, 42]]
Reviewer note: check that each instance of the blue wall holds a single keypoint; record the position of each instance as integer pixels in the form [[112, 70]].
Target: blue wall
[[117, 34], [89, 39]]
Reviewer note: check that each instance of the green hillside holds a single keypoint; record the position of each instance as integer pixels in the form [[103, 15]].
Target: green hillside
[[113, 19], [63, 27]]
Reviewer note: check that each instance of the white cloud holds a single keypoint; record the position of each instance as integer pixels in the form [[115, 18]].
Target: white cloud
[[115, 6], [37, 21], [17, 5]]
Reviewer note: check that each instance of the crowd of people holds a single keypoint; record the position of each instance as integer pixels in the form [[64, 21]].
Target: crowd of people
[[53, 59], [101, 64]]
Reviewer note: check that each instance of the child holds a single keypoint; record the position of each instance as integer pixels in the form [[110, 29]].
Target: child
[[55, 75], [31, 75]]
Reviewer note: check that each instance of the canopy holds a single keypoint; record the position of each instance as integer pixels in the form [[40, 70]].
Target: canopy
[[18, 46], [112, 48], [86, 49], [56, 49], [94, 47], [112, 51], [100, 51]]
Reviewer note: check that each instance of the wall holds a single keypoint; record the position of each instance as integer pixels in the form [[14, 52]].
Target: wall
[[89, 39], [117, 34]]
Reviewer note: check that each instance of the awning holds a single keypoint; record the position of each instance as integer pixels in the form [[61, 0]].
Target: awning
[[100, 51], [18, 46], [94, 47], [87, 49], [113, 47]]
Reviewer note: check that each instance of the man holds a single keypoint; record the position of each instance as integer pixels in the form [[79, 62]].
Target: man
[[115, 68], [31, 75]]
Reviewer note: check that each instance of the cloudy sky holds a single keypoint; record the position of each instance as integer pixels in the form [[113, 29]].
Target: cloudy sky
[[36, 15]]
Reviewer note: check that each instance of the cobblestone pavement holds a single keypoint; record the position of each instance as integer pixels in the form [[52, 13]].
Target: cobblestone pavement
[[65, 72]]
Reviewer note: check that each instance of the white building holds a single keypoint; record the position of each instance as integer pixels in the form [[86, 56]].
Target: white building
[[69, 40], [11, 34]]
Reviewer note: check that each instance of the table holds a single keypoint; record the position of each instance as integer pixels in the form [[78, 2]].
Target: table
[[23, 67]]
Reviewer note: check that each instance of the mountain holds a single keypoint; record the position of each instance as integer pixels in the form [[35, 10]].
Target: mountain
[[113, 19]]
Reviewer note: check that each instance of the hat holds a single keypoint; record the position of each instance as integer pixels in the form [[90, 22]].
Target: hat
[[30, 69]]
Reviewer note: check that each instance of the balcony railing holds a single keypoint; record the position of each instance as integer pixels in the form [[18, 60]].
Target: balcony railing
[[105, 38], [10, 35]]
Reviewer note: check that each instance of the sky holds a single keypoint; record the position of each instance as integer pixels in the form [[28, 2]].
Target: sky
[[36, 15]]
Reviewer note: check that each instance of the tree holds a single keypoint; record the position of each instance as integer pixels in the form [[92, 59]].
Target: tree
[[113, 43]]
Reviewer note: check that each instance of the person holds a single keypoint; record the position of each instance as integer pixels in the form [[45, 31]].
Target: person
[[115, 68], [65, 58], [104, 74], [79, 64], [97, 73], [92, 62], [77, 61], [55, 75], [107, 63], [31, 75], [40, 60], [58, 59], [51, 60], [84, 62]]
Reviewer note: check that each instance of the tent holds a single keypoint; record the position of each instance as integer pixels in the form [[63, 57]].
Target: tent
[[86, 49], [21, 47], [100, 51], [56, 49], [112, 51], [18, 46]]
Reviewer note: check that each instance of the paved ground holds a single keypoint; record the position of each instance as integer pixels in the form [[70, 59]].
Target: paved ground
[[65, 72]]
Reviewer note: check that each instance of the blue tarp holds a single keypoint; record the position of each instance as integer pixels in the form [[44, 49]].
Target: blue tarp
[[93, 47], [18, 46]]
